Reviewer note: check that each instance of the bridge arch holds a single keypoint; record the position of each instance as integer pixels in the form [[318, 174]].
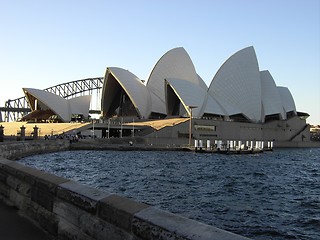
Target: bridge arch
[[15, 109]]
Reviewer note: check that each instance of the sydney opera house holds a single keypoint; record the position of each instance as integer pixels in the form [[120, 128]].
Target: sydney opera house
[[238, 91], [241, 101]]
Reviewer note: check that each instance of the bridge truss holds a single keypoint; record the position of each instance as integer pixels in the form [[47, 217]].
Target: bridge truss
[[17, 108]]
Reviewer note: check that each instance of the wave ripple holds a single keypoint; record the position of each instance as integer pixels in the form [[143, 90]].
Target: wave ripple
[[272, 195]]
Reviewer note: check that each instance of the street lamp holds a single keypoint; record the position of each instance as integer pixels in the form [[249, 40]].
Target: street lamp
[[133, 128], [93, 130], [108, 128], [190, 123], [93, 127], [121, 128]]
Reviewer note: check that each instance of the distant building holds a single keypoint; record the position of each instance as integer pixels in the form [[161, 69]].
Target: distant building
[[315, 133]]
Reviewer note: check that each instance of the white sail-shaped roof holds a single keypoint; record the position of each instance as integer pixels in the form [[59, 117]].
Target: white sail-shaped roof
[[175, 64], [80, 105], [48, 100], [237, 83], [271, 100], [62, 107], [202, 84], [212, 106], [287, 100], [157, 104], [189, 94], [133, 87], [238, 91]]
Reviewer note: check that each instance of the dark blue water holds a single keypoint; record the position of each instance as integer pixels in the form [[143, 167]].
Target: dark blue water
[[274, 195]]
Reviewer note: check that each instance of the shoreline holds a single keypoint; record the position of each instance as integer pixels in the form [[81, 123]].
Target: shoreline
[[105, 144], [13, 150]]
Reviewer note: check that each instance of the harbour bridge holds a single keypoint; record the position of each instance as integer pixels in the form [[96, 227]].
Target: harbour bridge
[[17, 108]]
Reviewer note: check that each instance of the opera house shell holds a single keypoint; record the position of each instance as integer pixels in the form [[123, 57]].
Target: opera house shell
[[48, 106], [239, 91]]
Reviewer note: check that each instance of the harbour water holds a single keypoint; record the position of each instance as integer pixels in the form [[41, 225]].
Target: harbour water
[[272, 195]]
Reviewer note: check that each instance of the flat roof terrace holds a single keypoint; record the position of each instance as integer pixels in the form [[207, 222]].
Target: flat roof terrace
[[13, 128], [158, 124]]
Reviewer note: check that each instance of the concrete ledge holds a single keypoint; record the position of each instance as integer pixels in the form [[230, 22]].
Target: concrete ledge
[[42, 185], [119, 210], [152, 223], [4, 192], [82, 196], [292, 144], [19, 186], [68, 231], [97, 228], [44, 189], [16, 150]]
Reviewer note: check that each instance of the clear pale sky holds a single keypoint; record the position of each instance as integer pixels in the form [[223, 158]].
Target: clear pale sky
[[44, 43]]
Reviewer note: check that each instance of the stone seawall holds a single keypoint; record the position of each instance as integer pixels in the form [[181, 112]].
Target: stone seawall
[[16, 150], [288, 144], [68, 210]]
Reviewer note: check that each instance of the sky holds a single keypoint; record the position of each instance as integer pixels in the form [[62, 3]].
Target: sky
[[44, 43]]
